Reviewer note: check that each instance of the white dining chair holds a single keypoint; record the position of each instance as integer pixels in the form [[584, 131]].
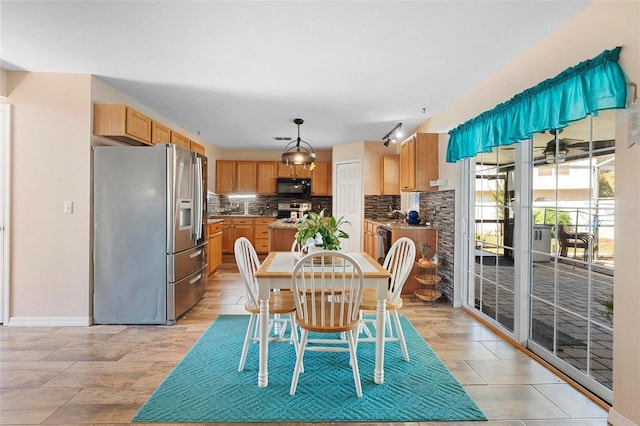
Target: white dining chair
[[296, 247], [280, 302], [399, 262], [327, 289]]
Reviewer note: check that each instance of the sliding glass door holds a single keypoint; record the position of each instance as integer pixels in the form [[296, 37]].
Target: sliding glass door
[[541, 230]]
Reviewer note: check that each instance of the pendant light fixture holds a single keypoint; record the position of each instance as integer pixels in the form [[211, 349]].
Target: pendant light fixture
[[299, 152]]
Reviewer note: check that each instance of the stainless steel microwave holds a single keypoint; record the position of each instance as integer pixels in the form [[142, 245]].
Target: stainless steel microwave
[[294, 188]]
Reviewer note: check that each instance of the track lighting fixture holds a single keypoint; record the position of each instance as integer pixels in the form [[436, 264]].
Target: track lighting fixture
[[393, 135]]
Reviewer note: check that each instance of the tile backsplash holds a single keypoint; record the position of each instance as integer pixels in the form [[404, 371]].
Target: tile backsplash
[[439, 208], [378, 206], [263, 205]]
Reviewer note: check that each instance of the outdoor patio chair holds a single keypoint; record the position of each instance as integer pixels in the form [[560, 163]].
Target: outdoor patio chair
[[569, 238]]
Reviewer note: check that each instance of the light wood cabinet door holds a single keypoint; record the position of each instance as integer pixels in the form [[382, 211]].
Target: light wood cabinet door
[[225, 176], [227, 235], [214, 249], [160, 133], [246, 176], [321, 179], [419, 162], [390, 174], [243, 231], [261, 234], [267, 172], [293, 171], [285, 171], [407, 164], [180, 140], [122, 123], [196, 147]]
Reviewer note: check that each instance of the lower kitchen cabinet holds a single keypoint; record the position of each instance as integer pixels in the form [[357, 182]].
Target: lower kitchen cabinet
[[252, 228], [214, 249], [370, 242], [261, 234]]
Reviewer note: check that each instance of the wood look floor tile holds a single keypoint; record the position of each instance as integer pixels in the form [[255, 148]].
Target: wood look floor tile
[[100, 375], [504, 350], [91, 351], [100, 406], [31, 405], [571, 401], [501, 402], [512, 372], [18, 356]]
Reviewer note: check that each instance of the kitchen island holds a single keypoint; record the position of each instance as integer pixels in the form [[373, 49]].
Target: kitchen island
[[281, 235]]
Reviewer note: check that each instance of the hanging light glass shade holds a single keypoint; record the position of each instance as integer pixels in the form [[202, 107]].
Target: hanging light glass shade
[[299, 152]]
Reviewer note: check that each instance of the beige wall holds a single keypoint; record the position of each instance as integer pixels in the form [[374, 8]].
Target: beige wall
[[603, 25], [3, 83], [50, 254]]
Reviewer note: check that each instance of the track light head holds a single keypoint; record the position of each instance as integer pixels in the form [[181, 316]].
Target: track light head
[[393, 134]]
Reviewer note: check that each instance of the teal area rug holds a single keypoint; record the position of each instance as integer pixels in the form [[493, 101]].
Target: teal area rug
[[206, 386]]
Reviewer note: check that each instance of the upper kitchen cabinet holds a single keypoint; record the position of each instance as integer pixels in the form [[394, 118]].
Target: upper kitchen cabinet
[[267, 172], [285, 170], [160, 133], [390, 174], [321, 179], [419, 162], [235, 176], [122, 123], [180, 140], [195, 146]]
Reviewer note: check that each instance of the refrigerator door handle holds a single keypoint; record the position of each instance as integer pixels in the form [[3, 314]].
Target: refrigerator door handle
[[195, 254], [198, 200], [195, 279]]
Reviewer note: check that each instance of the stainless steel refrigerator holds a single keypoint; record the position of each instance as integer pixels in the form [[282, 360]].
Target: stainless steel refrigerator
[[149, 251]]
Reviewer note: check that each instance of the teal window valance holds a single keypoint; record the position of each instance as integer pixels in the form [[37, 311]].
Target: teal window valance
[[591, 86]]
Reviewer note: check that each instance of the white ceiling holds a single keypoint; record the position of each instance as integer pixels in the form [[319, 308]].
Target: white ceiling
[[239, 72]]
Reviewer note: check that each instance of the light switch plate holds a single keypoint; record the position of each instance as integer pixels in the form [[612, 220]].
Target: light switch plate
[[68, 207]]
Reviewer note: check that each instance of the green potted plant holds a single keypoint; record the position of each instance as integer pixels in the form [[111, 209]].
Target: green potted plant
[[320, 227]]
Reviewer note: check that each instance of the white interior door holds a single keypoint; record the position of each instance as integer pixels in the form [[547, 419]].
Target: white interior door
[[5, 138], [348, 201]]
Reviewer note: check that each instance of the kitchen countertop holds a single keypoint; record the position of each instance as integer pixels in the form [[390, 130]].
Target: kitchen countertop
[[392, 224], [279, 224]]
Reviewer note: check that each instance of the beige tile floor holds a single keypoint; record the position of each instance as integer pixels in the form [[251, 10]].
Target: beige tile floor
[[101, 375]]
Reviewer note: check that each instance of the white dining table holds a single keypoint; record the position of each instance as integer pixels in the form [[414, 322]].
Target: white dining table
[[275, 273]]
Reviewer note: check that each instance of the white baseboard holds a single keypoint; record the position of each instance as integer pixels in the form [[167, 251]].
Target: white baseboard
[[49, 321], [617, 419]]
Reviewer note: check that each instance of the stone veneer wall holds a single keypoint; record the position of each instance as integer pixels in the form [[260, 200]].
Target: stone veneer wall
[[438, 208], [377, 206], [266, 205]]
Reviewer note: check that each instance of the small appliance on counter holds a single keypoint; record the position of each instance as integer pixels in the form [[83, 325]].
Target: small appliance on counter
[[413, 218]]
